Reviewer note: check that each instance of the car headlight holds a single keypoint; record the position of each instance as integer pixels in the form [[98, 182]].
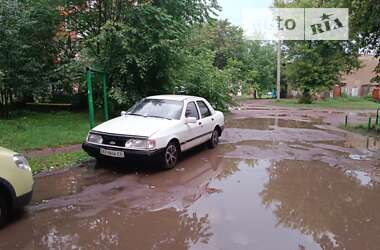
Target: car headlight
[[21, 162], [94, 138], [140, 144]]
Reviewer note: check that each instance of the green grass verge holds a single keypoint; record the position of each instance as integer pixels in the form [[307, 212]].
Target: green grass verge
[[249, 97], [60, 160], [336, 103], [34, 130], [363, 129]]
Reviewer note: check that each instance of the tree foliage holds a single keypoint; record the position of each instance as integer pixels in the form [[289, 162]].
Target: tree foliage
[[163, 46], [198, 76], [137, 42], [146, 47], [159, 47], [365, 26], [27, 47], [312, 66], [246, 64]]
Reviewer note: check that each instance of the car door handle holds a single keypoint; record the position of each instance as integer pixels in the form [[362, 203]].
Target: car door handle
[[212, 119], [200, 123]]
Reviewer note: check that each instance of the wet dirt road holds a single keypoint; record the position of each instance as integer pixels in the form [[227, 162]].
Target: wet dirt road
[[279, 180]]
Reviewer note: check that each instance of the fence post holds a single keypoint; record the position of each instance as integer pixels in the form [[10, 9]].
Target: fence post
[[90, 99], [369, 123], [346, 121], [105, 96]]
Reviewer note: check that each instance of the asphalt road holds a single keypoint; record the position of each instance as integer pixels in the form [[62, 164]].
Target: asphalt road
[[280, 179]]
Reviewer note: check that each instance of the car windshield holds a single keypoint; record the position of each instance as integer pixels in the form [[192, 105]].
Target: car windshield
[[166, 109]]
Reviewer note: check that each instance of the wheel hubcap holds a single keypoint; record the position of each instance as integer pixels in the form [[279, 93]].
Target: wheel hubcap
[[171, 155]]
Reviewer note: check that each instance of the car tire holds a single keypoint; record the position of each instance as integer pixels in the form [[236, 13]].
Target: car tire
[[4, 210], [170, 156], [213, 142]]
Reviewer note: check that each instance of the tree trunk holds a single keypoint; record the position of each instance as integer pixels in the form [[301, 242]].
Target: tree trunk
[[5, 99], [306, 97]]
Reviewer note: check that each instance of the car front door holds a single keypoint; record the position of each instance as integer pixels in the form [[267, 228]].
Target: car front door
[[206, 122]]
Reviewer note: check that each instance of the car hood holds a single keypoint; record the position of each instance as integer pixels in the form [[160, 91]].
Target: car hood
[[134, 125], [6, 152]]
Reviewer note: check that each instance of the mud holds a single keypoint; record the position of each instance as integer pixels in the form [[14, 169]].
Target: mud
[[275, 182], [50, 151]]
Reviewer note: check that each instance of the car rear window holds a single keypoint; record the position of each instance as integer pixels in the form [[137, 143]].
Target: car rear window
[[191, 110], [205, 111]]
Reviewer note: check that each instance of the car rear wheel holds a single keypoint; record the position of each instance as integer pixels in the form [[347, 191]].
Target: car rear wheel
[[213, 142], [171, 155], [4, 210]]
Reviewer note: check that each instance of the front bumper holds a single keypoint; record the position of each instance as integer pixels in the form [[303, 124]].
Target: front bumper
[[22, 200], [94, 151]]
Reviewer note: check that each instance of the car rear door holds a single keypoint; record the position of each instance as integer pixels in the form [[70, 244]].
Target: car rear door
[[207, 120]]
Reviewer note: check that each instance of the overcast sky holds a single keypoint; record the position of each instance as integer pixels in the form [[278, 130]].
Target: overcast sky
[[232, 8]]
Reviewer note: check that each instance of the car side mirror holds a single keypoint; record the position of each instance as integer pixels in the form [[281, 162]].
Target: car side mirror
[[123, 113], [190, 120]]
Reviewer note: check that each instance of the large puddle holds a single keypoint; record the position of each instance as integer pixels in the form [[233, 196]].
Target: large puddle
[[269, 185], [270, 123]]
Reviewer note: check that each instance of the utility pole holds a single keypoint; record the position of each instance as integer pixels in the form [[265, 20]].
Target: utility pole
[[278, 69]]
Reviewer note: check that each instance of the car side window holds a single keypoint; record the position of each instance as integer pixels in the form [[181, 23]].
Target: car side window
[[191, 110], [205, 111]]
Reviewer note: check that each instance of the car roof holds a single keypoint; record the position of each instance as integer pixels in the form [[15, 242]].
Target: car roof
[[173, 97]]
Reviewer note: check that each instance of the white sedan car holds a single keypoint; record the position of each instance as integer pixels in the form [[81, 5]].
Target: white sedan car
[[159, 127]]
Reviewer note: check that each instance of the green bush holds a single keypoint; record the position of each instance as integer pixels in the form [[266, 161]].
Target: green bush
[[199, 77]]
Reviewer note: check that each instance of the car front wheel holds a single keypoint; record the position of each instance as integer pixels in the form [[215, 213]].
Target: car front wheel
[[171, 155], [4, 210]]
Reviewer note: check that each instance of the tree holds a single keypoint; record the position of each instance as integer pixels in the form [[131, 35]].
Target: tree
[[364, 21], [313, 66], [249, 63], [225, 39], [198, 76], [137, 42], [365, 26], [26, 47], [260, 61]]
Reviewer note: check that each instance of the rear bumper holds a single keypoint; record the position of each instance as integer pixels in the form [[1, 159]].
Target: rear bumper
[[94, 151]]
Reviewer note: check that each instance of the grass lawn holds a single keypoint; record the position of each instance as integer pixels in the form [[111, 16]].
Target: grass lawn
[[34, 130], [363, 129], [60, 160], [337, 103], [38, 130]]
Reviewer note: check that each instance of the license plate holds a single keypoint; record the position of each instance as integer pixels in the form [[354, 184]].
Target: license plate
[[112, 153]]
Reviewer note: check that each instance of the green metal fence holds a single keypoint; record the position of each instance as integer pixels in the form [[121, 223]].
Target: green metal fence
[[90, 72]]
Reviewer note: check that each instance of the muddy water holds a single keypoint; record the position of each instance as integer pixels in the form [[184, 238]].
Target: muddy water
[[271, 184]]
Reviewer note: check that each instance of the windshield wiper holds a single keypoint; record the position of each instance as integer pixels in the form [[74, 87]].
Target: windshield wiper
[[154, 116], [137, 115]]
